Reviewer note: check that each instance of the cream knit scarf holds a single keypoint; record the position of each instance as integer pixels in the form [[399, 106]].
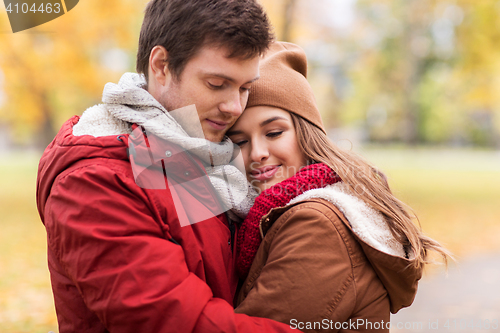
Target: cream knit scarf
[[129, 102]]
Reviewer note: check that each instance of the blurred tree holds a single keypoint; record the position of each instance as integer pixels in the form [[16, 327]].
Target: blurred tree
[[426, 70], [396, 62], [479, 69], [415, 71], [281, 13], [288, 20], [58, 69]]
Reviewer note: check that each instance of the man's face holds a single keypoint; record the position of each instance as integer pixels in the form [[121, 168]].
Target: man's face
[[218, 86]]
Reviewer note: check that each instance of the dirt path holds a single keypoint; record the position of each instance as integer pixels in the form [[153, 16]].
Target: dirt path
[[467, 299]]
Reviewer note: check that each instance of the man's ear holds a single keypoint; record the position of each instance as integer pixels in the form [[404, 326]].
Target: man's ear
[[158, 65]]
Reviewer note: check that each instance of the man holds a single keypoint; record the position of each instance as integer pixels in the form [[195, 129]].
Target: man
[[130, 250]]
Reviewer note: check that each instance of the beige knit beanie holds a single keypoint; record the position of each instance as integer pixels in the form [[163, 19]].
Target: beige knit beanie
[[283, 83]]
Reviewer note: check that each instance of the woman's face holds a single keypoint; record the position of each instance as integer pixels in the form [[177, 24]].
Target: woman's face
[[268, 142]]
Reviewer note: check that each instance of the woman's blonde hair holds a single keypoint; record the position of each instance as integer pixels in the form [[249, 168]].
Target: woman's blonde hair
[[369, 185]]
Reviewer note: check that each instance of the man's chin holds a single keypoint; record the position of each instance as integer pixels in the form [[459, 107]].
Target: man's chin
[[216, 137]]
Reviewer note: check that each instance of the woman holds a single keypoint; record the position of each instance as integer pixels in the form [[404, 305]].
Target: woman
[[326, 245]]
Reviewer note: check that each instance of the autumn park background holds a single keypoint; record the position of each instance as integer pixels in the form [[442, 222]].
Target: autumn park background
[[413, 85]]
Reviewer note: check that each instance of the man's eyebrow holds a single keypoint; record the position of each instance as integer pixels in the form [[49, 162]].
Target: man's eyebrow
[[254, 79], [230, 79]]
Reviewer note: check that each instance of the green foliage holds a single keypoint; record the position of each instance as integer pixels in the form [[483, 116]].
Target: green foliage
[[440, 71], [413, 71]]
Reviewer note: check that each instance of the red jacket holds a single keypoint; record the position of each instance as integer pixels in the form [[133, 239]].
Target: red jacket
[[119, 259]]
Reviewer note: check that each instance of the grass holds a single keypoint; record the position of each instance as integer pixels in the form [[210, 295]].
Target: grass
[[456, 195], [26, 303]]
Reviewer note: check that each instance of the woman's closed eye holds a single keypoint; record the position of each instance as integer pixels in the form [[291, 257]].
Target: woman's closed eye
[[239, 143], [274, 134]]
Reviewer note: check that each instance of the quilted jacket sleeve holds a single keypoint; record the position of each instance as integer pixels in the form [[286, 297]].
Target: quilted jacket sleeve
[[102, 232]]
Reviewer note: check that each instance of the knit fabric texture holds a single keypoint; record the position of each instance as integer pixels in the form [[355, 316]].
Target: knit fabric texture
[[310, 177], [283, 83]]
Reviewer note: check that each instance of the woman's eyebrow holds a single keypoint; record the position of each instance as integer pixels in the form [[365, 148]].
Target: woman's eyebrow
[[233, 133], [270, 120], [262, 124]]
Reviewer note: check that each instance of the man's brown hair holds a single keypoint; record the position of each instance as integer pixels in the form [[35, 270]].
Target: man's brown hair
[[185, 26]]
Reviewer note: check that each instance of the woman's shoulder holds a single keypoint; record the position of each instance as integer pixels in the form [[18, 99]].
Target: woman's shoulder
[[316, 202], [319, 218], [316, 215], [312, 206], [368, 224]]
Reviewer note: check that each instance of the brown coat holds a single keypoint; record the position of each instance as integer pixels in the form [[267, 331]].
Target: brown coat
[[314, 273]]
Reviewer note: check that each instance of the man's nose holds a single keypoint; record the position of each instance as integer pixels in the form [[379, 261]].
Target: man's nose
[[233, 105]]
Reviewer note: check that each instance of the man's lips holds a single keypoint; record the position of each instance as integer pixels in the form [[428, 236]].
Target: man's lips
[[264, 173], [217, 124]]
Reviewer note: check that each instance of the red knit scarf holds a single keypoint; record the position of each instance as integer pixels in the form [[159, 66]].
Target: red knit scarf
[[310, 177]]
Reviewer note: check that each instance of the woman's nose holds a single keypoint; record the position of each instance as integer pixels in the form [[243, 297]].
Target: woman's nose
[[259, 152]]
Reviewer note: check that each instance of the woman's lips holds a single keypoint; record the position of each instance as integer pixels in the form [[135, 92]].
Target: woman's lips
[[218, 125], [264, 173]]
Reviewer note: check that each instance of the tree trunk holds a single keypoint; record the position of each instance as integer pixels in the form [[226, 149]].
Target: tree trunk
[[288, 20], [47, 129]]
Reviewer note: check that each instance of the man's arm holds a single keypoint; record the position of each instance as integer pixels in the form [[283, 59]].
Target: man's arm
[[102, 232]]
